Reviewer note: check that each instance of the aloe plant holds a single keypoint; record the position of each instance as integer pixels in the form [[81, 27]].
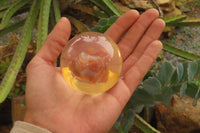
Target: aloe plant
[[180, 52], [20, 53], [29, 24], [12, 27], [12, 9], [107, 6], [43, 22], [56, 10]]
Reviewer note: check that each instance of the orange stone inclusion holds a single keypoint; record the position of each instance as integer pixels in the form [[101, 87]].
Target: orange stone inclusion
[[91, 63]]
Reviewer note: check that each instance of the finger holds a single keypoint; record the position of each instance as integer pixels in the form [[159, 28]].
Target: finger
[[121, 25], [124, 88], [55, 41], [153, 33], [135, 33], [141, 67]]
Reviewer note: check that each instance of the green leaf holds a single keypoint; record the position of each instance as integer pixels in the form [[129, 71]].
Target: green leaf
[[7, 5], [172, 21], [43, 23], [96, 29], [189, 22], [8, 14], [196, 97], [198, 73], [20, 52], [23, 88], [167, 96], [117, 124], [174, 78], [100, 14], [191, 90], [185, 73], [142, 97], [128, 121], [112, 7], [179, 52], [24, 101], [102, 22], [192, 71], [56, 10], [16, 90], [103, 6], [152, 85], [2, 14], [112, 19], [11, 28], [195, 102], [183, 89], [104, 28], [180, 71], [165, 73], [2, 2]]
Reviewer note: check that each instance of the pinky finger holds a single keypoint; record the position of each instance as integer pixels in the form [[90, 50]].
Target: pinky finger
[[142, 66]]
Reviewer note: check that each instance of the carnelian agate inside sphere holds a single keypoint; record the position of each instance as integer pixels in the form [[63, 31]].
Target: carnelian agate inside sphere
[[91, 63]]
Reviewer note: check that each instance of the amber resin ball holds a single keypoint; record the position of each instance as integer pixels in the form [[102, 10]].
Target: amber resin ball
[[91, 63]]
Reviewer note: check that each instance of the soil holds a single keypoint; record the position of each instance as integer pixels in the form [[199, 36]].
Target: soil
[[185, 38]]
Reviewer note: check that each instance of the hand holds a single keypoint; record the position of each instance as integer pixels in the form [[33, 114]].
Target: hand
[[53, 105]]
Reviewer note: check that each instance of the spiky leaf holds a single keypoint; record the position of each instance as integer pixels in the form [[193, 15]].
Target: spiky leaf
[[180, 52], [20, 52], [8, 14]]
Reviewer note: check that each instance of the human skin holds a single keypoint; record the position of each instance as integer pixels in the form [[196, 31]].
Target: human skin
[[53, 105]]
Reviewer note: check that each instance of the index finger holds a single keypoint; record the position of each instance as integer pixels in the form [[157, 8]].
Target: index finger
[[55, 41], [122, 24]]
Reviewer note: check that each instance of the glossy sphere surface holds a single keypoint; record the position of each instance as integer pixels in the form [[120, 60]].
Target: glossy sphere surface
[[91, 63]]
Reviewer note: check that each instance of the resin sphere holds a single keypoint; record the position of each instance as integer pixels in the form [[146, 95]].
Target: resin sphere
[[91, 63]]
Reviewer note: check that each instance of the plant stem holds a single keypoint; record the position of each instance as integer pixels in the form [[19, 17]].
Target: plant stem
[[143, 125]]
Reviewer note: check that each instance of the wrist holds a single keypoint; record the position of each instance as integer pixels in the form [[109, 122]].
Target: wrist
[[24, 127], [37, 121]]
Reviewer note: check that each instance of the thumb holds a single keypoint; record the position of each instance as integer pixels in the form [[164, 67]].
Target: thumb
[[55, 41]]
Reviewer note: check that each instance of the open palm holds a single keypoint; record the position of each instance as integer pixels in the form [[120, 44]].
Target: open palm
[[53, 105]]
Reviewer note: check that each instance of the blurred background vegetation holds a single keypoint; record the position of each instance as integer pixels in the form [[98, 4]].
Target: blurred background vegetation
[[165, 100]]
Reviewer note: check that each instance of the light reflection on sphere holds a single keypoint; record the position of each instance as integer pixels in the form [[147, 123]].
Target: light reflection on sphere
[[91, 63]]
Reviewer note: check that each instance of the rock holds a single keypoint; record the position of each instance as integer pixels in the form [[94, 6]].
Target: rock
[[179, 117], [162, 2], [144, 4], [121, 7]]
